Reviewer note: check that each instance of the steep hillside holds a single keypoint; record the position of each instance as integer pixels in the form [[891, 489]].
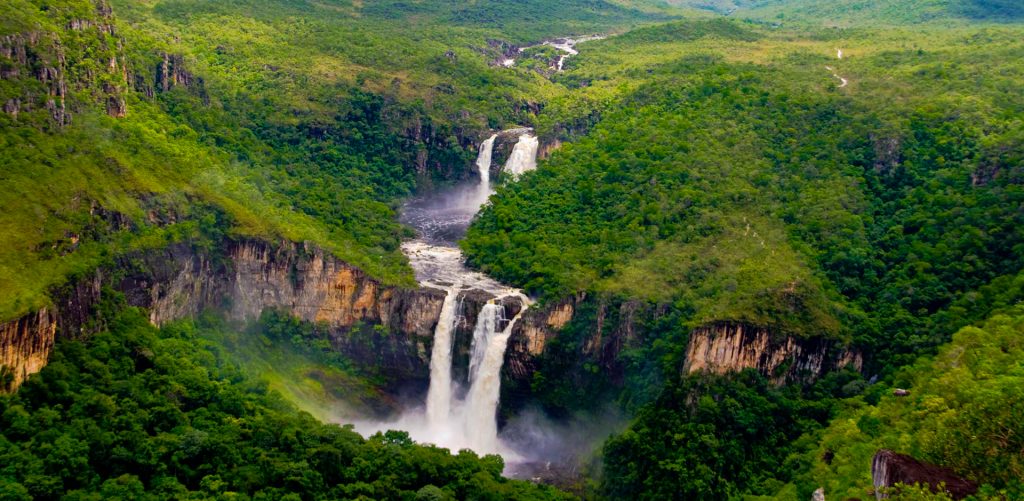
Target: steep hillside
[[288, 120], [864, 13], [721, 177]]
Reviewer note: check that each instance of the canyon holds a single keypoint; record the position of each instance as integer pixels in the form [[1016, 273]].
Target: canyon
[[249, 276]]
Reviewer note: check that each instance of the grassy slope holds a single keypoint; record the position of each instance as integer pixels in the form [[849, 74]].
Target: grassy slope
[[273, 72], [864, 13], [903, 83]]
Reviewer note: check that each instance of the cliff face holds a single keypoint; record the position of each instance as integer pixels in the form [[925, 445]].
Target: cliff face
[[25, 345], [719, 348], [178, 282], [727, 347], [531, 335]]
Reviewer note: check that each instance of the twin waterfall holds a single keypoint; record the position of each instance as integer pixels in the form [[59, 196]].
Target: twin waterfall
[[441, 218], [524, 156]]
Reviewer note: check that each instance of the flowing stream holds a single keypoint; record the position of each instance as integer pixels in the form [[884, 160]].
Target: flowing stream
[[441, 219], [566, 45]]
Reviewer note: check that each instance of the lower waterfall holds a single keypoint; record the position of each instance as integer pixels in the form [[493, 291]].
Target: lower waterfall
[[485, 386], [486, 324], [439, 395]]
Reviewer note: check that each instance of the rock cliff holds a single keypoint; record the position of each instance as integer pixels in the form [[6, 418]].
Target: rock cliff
[[251, 276], [728, 347], [25, 346]]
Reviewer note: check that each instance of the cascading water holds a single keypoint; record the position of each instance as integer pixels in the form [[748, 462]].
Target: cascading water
[[486, 324], [441, 219], [524, 155], [483, 166], [484, 392], [439, 395]]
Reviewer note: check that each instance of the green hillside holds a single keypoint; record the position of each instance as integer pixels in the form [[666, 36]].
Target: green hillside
[[297, 120], [845, 175], [864, 13]]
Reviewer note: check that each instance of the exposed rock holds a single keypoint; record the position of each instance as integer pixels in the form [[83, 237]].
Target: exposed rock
[[171, 72], [547, 147], [889, 469], [729, 347], [12, 106], [818, 495], [531, 335], [900, 392], [117, 107], [179, 282], [25, 346], [888, 154]]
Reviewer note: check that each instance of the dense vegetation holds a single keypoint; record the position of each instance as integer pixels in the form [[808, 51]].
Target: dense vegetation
[[141, 413], [713, 171], [963, 412], [721, 173], [864, 12]]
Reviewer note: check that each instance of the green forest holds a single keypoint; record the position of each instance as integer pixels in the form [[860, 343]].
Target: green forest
[[844, 175]]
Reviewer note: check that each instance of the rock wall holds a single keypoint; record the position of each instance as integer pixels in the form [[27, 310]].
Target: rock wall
[[25, 346], [718, 348], [729, 347], [179, 282], [532, 333], [889, 469]]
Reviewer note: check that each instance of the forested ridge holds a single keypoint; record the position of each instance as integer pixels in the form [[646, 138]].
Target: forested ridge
[[845, 173]]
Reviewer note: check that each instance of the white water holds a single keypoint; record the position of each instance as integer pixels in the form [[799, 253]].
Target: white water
[[484, 392], [439, 396], [441, 219], [524, 155], [566, 45], [483, 167], [486, 324]]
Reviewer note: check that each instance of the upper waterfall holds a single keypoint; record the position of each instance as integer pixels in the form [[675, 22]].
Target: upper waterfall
[[483, 167], [524, 155]]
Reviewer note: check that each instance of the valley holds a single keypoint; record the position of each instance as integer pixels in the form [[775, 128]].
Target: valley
[[285, 249]]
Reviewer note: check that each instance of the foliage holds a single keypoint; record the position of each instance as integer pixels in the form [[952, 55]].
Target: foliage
[[714, 437], [963, 412], [155, 414]]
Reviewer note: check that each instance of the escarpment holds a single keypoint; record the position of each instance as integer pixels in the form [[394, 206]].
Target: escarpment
[[730, 347], [249, 277], [719, 347]]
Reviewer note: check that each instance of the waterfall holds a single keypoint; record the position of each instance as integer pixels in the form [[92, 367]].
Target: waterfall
[[524, 156], [486, 324], [483, 166], [449, 420], [485, 390], [439, 395]]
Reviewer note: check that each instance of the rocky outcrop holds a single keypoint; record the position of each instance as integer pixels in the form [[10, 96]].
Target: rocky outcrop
[[532, 334], [39, 60], [888, 469], [547, 147], [730, 347], [25, 346], [379, 326]]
